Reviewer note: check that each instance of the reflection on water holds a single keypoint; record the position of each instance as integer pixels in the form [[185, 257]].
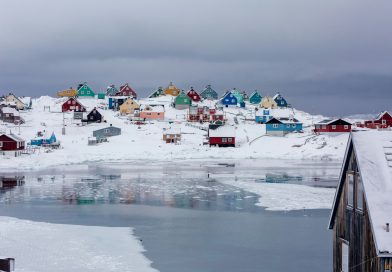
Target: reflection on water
[[9, 182]]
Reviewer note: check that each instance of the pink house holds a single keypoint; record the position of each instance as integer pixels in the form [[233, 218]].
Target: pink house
[[149, 112]]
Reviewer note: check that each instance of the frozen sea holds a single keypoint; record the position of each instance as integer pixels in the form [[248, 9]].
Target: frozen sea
[[185, 214]]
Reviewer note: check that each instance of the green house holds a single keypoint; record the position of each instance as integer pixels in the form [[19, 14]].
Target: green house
[[209, 93], [85, 91], [101, 96], [182, 101], [255, 98], [156, 93], [238, 95]]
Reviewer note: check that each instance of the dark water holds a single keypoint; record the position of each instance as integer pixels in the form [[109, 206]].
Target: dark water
[[187, 220]]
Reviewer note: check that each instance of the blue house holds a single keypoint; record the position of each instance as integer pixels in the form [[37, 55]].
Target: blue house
[[282, 126], [280, 101], [263, 116], [229, 100], [41, 140], [255, 98]]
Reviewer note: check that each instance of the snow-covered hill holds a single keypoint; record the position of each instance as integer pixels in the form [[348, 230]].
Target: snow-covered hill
[[144, 143]]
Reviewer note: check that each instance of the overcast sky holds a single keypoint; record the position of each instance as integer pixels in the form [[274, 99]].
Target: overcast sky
[[331, 57]]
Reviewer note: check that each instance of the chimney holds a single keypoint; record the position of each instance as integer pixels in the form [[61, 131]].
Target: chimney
[[387, 227]]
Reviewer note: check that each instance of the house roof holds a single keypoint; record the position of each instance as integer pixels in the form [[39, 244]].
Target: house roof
[[154, 108], [172, 131], [276, 96], [332, 121], [373, 150], [11, 111], [283, 120], [382, 114], [221, 131], [13, 137]]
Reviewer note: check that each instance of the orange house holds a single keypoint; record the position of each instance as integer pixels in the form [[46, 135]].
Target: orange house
[[172, 90], [148, 112]]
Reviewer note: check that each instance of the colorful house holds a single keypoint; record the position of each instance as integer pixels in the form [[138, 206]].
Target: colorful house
[[361, 213], [126, 90], [332, 126], [280, 101], [149, 112], [85, 91], [238, 95], [262, 116], [41, 139], [172, 90], [182, 101], [71, 92], [267, 102], [209, 93], [94, 117], [158, 92], [101, 95], [172, 135], [282, 126], [10, 144], [129, 107], [193, 95], [383, 120], [72, 105], [106, 132], [14, 100], [229, 100], [255, 98], [111, 90], [222, 136]]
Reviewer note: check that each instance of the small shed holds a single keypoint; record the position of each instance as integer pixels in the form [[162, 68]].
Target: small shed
[[229, 100], [101, 95], [182, 101], [209, 93], [94, 116], [332, 126], [172, 90], [280, 101], [282, 126], [193, 95], [129, 107], [126, 90], [107, 132], [221, 135], [10, 115], [255, 98], [172, 135], [84, 90], [10, 144], [72, 105], [361, 212]]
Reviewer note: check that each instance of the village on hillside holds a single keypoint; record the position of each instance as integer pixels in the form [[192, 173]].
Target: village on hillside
[[170, 124]]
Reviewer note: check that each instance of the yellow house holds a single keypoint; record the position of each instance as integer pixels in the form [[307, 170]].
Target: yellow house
[[68, 93], [268, 103], [129, 107], [172, 90]]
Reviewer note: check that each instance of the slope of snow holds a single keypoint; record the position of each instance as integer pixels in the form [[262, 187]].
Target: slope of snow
[[145, 142], [45, 247]]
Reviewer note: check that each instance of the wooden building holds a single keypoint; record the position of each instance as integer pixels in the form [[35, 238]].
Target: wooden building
[[280, 101], [255, 98], [222, 136], [383, 120], [13, 99], [94, 116], [267, 102], [282, 126], [10, 144], [361, 213], [193, 95], [209, 93], [129, 107], [332, 126], [10, 115], [229, 100], [156, 93], [70, 92], [111, 90], [84, 90], [172, 90], [72, 105], [152, 112], [238, 95], [172, 135], [126, 90], [182, 101]]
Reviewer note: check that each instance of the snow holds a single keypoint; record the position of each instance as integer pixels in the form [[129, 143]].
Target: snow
[[281, 196], [10, 110], [141, 143], [45, 247], [372, 149], [222, 131]]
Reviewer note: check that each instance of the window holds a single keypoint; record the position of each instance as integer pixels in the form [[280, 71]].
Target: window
[[69, 102], [1, 144], [233, 100], [293, 125], [288, 125], [88, 92], [224, 140], [73, 102], [324, 126], [359, 193], [106, 130], [85, 87], [229, 140], [350, 188], [334, 127], [158, 113], [275, 125], [345, 126], [384, 122]]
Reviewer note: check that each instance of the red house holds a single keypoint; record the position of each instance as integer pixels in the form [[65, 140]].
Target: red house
[[193, 95], [330, 126], [72, 105], [222, 136], [126, 90], [11, 144], [383, 120]]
